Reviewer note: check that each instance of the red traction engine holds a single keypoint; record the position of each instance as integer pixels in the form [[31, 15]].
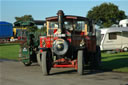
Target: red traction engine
[[70, 43]]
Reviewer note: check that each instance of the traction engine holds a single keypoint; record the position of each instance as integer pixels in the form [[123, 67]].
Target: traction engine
[[70, 43]]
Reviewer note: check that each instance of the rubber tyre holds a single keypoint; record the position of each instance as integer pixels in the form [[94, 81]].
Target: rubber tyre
[[38, 58], [27, 64], [80, 62], [46, 63], [125, 49], [97, 57]]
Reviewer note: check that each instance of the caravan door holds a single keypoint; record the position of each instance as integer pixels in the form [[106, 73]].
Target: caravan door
[[112, 41]]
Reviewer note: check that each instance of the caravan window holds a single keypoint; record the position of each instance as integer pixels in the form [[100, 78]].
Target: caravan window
[[112, 36]]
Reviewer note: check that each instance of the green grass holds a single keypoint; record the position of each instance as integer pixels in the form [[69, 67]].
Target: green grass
[[115, 62], [9, 51]]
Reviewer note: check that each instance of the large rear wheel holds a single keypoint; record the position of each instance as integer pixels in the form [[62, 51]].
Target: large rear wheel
[[80, 62], [96, 59]]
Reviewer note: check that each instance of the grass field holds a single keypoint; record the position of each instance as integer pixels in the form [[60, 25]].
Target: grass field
[[9, 51], [115, 62]]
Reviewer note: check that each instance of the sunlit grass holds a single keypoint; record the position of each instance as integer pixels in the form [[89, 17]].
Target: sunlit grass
[[9, 51], [115, 62]]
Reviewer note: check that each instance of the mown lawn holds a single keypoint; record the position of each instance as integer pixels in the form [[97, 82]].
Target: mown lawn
[[115, 62], [9, 51]]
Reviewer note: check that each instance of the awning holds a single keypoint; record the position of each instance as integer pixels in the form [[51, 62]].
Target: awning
[[117, 29]]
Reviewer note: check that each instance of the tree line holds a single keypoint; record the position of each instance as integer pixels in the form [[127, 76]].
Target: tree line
[[104, 15]]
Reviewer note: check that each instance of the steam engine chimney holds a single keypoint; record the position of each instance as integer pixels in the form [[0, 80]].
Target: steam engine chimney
[[60, 21]]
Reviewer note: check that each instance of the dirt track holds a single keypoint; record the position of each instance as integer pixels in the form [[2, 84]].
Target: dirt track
[[15, 73]]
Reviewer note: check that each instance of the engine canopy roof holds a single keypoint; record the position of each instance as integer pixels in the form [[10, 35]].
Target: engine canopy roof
[[68, 17]]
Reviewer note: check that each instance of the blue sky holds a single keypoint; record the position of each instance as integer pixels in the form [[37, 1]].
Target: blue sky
[[40, 9]]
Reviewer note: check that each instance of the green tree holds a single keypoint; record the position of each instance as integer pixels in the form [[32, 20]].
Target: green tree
[[26, 21], [24, 18], [106, 14]]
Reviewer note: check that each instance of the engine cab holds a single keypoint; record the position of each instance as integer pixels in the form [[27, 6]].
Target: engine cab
[[75, 29]]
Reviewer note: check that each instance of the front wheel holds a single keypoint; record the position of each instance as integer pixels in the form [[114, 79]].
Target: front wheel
[[80, 62], [38, 58], [46, 62], [27, 63]]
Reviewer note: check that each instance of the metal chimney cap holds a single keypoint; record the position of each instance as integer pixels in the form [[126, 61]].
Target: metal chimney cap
[[60, 12]]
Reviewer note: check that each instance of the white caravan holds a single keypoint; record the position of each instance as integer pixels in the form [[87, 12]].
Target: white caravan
[[115, 38], [123, 23]]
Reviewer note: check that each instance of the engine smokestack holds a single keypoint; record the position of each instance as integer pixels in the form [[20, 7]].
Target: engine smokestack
[[60, 21]]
